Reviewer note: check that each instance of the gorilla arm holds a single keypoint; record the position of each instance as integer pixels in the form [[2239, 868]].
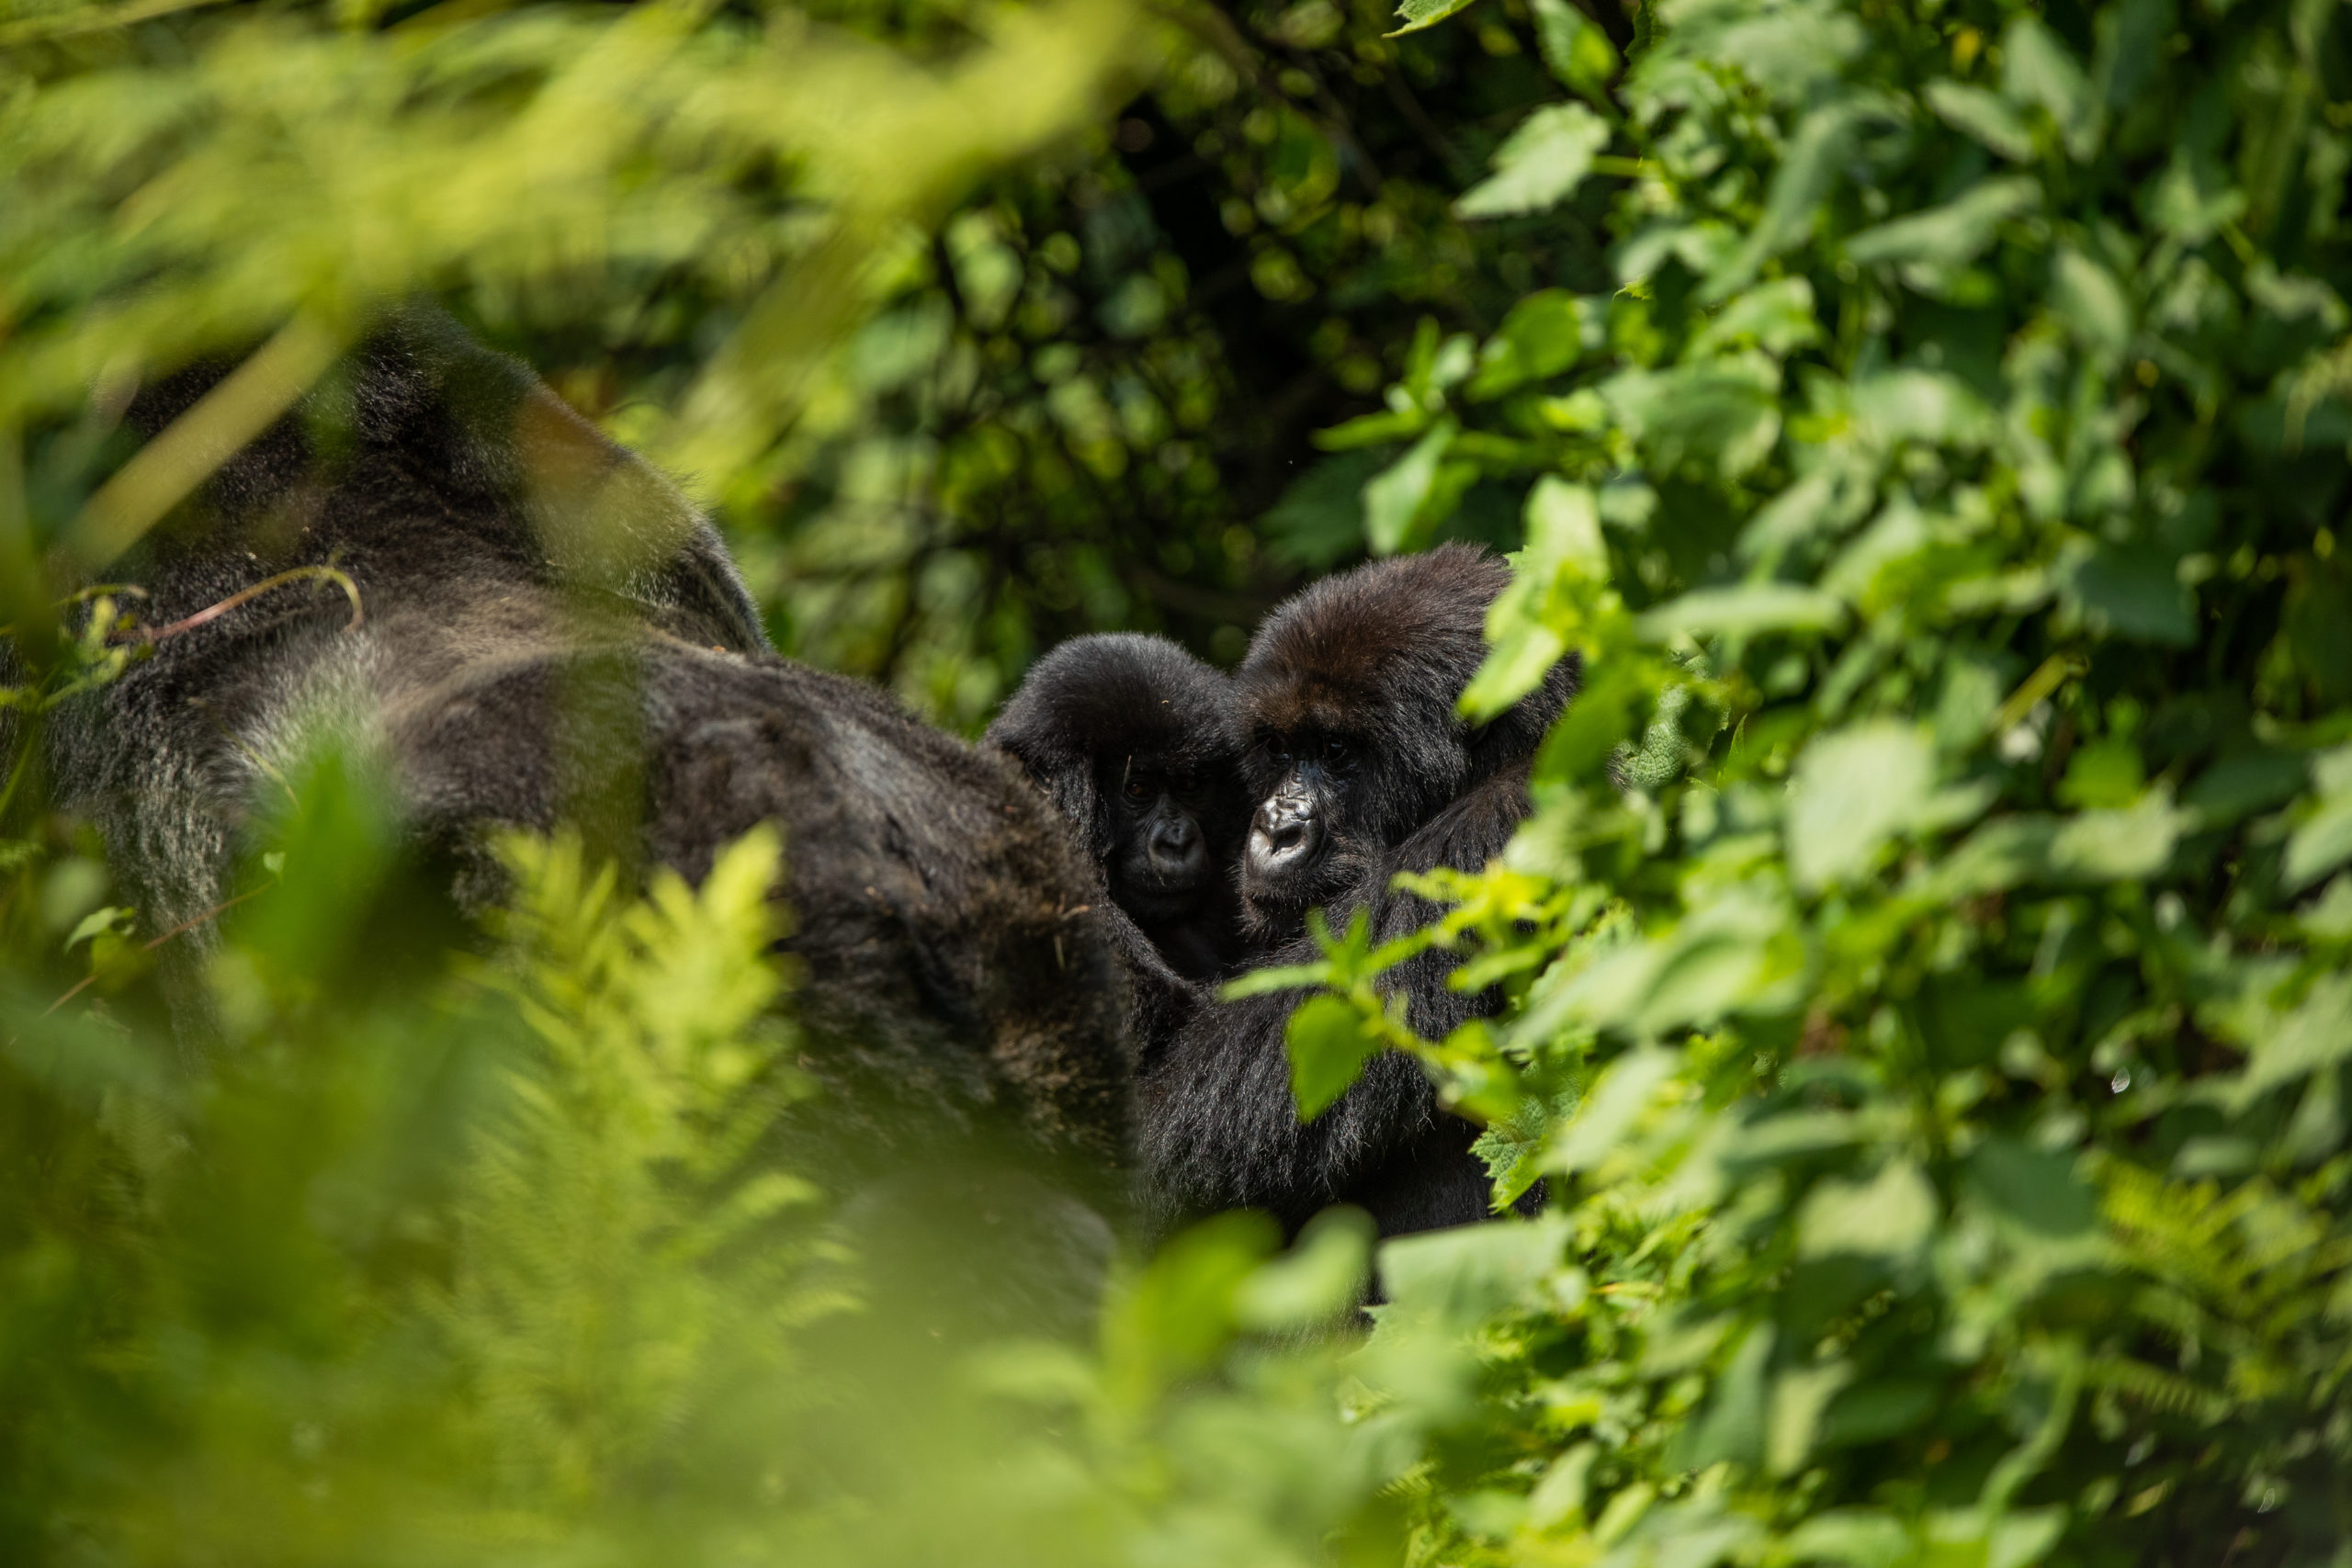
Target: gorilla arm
[[1221, 1129]]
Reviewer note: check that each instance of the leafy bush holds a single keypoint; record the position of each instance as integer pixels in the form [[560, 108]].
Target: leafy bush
[[1925, 963]]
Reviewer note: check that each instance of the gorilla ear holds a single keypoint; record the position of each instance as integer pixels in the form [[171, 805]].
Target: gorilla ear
[[1514, 735]]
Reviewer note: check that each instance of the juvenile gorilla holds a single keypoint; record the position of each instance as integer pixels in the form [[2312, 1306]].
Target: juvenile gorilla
[[1132, 740], [552, 634], [1362, 770]]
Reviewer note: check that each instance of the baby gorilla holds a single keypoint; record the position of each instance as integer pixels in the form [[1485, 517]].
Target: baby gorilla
[[1132, 739]]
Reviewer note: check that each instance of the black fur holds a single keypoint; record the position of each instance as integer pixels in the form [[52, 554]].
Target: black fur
[[1347, 701], [1126, 734], [553, 633], [1133, 740]]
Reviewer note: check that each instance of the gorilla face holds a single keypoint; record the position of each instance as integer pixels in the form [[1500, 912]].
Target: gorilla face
[[1158, 850], [1312, 833]]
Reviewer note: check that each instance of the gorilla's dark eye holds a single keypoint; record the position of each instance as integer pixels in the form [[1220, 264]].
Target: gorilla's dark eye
[[1280, 752], [1138, 789], [1335, 750]]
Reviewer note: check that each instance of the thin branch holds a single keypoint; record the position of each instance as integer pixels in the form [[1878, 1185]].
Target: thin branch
[[214, 612]]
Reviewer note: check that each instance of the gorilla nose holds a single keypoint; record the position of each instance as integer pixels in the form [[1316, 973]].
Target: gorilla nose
[[1285, 833], [1176, 849]]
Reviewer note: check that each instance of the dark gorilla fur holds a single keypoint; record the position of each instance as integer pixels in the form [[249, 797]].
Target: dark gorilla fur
[[548, 625], [1350, 687], [1102, 718], [1101, 714]]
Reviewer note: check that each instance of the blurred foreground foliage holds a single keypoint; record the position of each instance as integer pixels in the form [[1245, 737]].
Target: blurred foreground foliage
[[1927, 959]]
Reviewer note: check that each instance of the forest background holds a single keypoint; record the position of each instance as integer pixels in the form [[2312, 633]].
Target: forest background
[[1925, 965]]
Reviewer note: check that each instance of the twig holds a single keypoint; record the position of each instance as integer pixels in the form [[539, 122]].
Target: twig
[[214, 612], [87, 981]]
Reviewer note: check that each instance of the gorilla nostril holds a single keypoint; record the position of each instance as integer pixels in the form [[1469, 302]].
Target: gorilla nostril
[[1280, 837]]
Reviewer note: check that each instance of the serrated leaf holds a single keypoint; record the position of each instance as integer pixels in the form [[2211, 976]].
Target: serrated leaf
[[1542, 164]]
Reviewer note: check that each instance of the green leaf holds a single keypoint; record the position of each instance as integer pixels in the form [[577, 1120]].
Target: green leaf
[[1732, 1426], [1574, 48], [1419, 13], [109, 918], [1546, 333], [1850, 794], [1746, 611], [2324, 839], [1394, 497], [2036, 69], [2133, 592], [1329, 1043], [2117, 846], [1984, 115], [1544, 161], [1471, 1272], [1778, 317], [2090, 302], [1946, 237], [1891, 1215], [1322, 1274], [1792, 204]]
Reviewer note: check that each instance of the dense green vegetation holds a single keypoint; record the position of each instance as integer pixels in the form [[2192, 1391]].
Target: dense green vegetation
[[1930, 1007]]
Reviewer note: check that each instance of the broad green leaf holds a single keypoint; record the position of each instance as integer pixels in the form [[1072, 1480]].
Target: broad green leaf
[[1322, 1274], [1778, 317], [1853, 1538], [108, 918], [1542, 162], [1949, 235], [1891, 1215], [1793, 201], [2116, 846], [2036, 69], [1746, 611], [1418, 14], [2324, 840], [1563, 523], [2133, 592], [1799, 1396], [1574, 48], [1471, 1272], [1850, 794], [1732, 1426], [1609, 1112], [1329, 1046], [1393, 499], [2091, 302], [1546, 333], [2316, 1033], [1984, 115]]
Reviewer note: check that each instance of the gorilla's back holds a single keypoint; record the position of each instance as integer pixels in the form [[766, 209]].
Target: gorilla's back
[[551, 632]]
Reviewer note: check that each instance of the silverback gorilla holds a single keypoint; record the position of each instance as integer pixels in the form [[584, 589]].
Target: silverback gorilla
[[549, 625], [1361, 769]]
